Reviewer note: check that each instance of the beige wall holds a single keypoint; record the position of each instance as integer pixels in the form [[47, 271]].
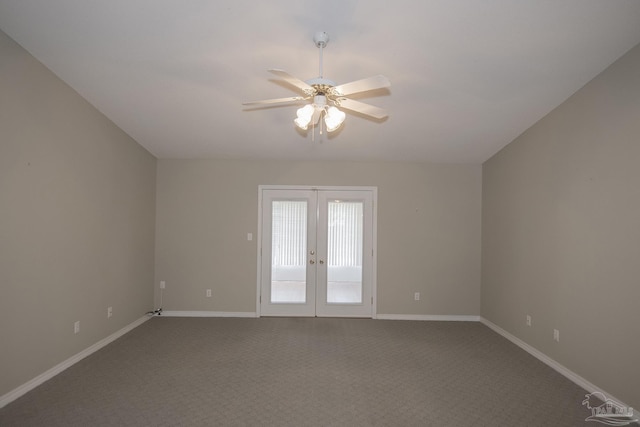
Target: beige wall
[[561, 232], [428, 231], [76, 221]]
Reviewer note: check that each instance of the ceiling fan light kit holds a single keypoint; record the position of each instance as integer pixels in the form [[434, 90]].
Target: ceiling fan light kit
[[305, 114], [327, 96], [333, 118]]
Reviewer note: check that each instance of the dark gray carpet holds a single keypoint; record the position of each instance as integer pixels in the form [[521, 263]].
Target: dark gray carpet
[[304, 372]]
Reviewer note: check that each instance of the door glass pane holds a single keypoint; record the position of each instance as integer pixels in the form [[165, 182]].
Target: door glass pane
[[288, 251], [344, 251]]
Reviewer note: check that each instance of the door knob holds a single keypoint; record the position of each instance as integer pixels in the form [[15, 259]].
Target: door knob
[[312, 252], [311, 261], [321, 262]]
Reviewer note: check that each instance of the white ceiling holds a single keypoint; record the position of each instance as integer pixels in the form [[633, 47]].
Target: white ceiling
[[467, 76]]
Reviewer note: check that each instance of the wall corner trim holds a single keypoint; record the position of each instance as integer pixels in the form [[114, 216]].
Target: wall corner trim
[[577, 379], [47, 375]]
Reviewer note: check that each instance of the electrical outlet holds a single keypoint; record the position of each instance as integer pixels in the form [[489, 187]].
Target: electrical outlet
[[528, 320], [162, 284], [76, 327], [208, 293], [109, 312], [556, 335], [416, 296]]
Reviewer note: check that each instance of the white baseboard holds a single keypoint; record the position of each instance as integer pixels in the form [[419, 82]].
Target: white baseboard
[[577, 379], [47, 375], [433, 317], [170, 313]]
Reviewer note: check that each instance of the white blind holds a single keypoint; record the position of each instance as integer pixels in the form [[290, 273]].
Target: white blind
[[345, 234], [289, 233]]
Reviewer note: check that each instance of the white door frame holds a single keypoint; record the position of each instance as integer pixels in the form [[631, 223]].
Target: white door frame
[[374, 192]]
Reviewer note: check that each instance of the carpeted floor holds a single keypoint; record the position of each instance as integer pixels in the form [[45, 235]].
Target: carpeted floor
[[304, 372]]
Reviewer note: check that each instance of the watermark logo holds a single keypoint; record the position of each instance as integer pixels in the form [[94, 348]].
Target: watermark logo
[[607, 411]]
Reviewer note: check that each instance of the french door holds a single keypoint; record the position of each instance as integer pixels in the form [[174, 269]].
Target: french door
[[317, 253]]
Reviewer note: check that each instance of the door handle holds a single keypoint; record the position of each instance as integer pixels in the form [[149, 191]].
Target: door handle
[[321, 262], [311, 261]]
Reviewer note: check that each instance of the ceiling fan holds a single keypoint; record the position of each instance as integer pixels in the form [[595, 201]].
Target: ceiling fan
[[326, 95]]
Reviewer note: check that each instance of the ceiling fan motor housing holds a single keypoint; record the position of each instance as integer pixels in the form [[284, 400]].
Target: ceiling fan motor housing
[[321, 85]]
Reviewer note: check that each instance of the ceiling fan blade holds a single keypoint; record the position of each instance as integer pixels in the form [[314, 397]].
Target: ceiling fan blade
[[370, 83], [362, 108], [276, 101], [306, 88]]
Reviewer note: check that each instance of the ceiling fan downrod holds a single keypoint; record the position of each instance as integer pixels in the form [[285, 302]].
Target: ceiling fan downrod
[[321, 38]]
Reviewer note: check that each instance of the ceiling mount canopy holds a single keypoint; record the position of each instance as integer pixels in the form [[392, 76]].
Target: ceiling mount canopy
[[326, 95]]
